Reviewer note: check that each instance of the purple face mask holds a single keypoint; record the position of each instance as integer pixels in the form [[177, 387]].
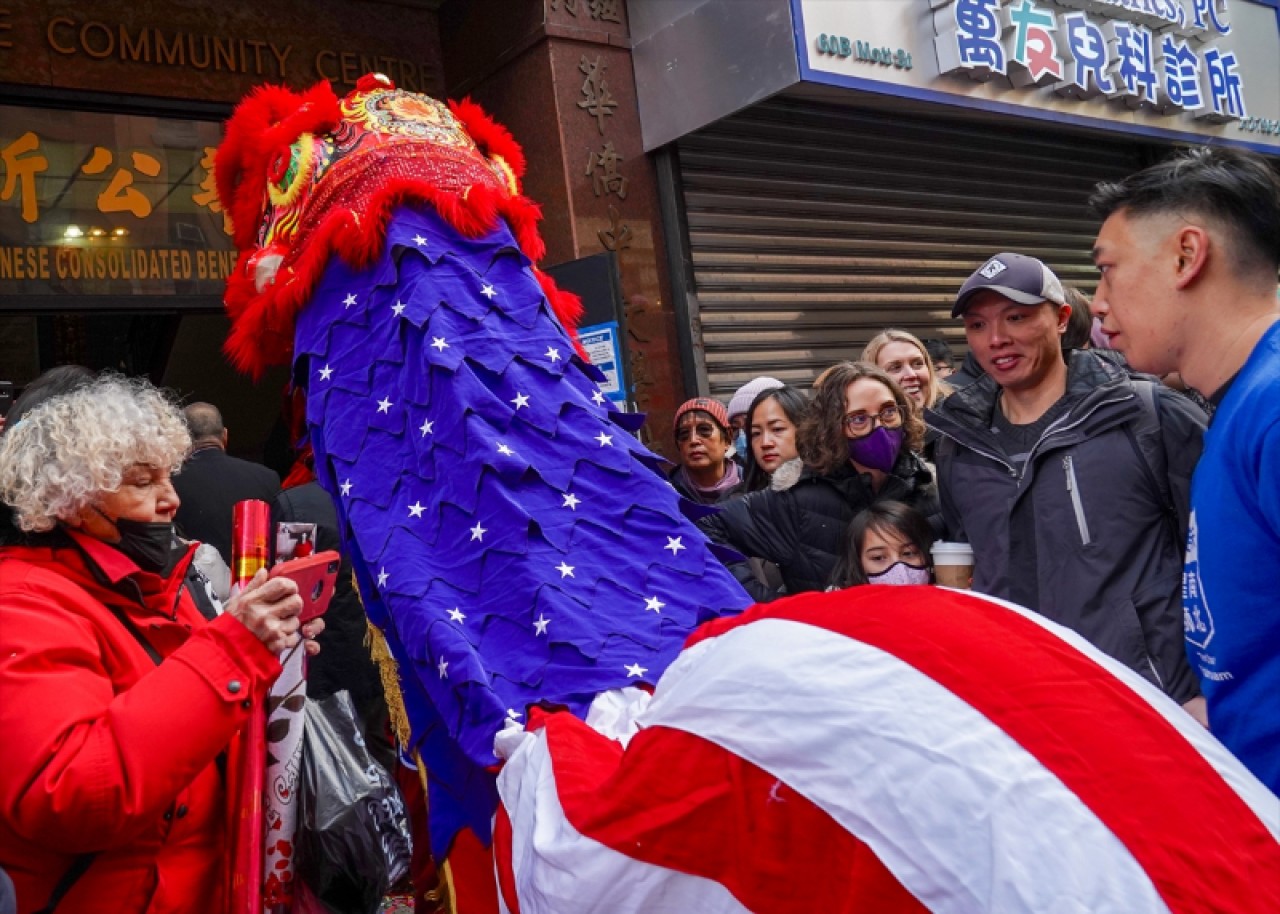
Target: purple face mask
[[900, 573], [877, 451]]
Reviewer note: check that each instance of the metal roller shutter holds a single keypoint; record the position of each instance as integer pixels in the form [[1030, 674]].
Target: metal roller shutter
[[814, 227]]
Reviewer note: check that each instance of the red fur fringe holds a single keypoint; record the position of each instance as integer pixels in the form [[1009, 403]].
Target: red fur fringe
[[262, 324], [492, 138], [273, 117], [269, 119]]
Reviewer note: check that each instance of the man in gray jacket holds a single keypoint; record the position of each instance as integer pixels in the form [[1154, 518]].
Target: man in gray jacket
[[1070, 479]]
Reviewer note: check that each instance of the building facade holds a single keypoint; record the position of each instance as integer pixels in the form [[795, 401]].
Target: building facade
[[836, 167], [766, 183]]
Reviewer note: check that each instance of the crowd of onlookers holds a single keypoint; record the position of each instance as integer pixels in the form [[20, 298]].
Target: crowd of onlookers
[[1065, 468], [1070, 455]]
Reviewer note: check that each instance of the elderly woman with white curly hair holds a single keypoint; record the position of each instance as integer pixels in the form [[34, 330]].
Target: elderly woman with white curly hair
[[121, 694]]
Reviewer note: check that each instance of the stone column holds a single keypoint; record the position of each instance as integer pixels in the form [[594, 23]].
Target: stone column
[[559, 76]]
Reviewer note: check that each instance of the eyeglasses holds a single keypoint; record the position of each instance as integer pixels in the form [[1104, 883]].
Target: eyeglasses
[[862, 423], [704, 430]]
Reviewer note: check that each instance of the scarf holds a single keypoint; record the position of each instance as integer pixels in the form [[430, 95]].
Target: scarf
[[711, 494]]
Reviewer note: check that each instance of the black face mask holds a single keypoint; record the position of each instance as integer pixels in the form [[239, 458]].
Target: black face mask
[[152, 545]]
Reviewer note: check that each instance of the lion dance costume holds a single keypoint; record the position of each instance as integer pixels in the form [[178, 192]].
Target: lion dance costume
[[889, 750]]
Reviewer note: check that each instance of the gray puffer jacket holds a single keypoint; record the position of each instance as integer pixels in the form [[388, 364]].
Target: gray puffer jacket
[[1087, 534]]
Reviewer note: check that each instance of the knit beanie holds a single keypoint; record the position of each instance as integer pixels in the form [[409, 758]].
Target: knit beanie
[[712, 408], [747, 393]]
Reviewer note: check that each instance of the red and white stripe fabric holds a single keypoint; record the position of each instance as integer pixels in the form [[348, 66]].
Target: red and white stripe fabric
[[886, 750]]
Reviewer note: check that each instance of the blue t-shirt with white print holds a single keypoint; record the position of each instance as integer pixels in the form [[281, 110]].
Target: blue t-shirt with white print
[[1231, 583]]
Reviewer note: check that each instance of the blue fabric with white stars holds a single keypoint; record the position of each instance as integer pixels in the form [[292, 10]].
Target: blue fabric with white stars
[[510, 537]]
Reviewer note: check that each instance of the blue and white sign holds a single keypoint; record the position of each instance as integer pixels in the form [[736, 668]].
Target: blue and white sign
[[1181, 69], [600, 342]]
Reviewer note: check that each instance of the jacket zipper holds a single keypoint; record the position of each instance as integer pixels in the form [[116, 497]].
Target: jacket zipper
[[1057, 429], [1052, 431], [1077, 503]]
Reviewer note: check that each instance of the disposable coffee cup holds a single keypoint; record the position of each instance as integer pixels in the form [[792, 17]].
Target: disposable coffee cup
[[953, 564]]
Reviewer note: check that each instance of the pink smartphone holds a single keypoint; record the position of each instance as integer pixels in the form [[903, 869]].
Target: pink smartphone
[[315, 576]]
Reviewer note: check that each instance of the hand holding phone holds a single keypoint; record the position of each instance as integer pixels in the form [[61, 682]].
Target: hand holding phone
[[315, 576]]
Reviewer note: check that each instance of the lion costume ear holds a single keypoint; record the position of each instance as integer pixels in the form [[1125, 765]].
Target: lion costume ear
[[493, 140], [265, 124]]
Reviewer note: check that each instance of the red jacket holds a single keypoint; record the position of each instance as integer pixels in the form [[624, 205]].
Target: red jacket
[[104, 750]]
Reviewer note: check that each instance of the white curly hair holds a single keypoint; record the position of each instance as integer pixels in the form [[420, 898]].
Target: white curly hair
[[75, 447]]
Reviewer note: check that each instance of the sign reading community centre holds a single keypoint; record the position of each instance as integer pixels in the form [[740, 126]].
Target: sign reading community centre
[[1184, 68]]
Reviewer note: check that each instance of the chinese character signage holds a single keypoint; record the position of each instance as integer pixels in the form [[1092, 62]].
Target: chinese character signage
[[1184, 67], [1170, 56], [97, 204]]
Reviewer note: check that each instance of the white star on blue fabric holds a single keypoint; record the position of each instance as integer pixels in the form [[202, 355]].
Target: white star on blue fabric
[[419, 240], [325, 372], [552, 353], [488, 291], [427, 427], [635, 669], [597, 398], [383, 577], [416, 509], [512, 713], [439, 343], [540, 624], [478, 532], [443, 667], [504, 450], [345, 487], [398, 308], [653, 603], [384, 404], [521, 400], [456, 615], [571, 501], [566, 570], [605, 440], [675, 544], [349, 300]]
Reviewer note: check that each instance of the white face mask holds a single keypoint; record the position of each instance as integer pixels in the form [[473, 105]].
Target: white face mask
[[901, 573]]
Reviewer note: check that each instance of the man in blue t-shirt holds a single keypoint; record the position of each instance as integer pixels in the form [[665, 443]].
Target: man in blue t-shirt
[[1189, 252]]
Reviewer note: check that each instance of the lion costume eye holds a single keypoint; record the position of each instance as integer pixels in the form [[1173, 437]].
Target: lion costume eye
[[291, 170]]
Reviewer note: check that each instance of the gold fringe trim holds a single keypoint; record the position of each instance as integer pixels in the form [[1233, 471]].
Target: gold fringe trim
[[389, 671]]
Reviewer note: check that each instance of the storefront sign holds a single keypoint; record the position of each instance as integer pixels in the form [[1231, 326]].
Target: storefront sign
[[1181, 68], [843, 46], [262, 57], [1159, 58], [86, 209], [189, 50]]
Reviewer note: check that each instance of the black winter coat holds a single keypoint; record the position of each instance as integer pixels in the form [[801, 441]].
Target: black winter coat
[[209, 485], [343, 661], [803, 529], [1084, 535]]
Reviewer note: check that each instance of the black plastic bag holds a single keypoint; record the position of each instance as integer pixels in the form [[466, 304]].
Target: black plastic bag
[[353, 832]]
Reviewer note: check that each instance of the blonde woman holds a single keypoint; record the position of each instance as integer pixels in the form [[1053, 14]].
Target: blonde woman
[[903, 357]]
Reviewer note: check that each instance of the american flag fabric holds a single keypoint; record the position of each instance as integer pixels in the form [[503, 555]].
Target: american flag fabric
[[885, 750], [510, 537]]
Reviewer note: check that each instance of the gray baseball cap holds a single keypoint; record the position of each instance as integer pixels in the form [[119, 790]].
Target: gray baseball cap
[[1017, 277]]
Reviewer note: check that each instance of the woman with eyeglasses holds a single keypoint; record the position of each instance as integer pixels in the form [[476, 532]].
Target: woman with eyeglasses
[[707, 473], [858, 439]]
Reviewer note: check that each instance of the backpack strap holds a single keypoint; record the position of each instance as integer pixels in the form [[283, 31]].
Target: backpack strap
[[1147, 439]]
